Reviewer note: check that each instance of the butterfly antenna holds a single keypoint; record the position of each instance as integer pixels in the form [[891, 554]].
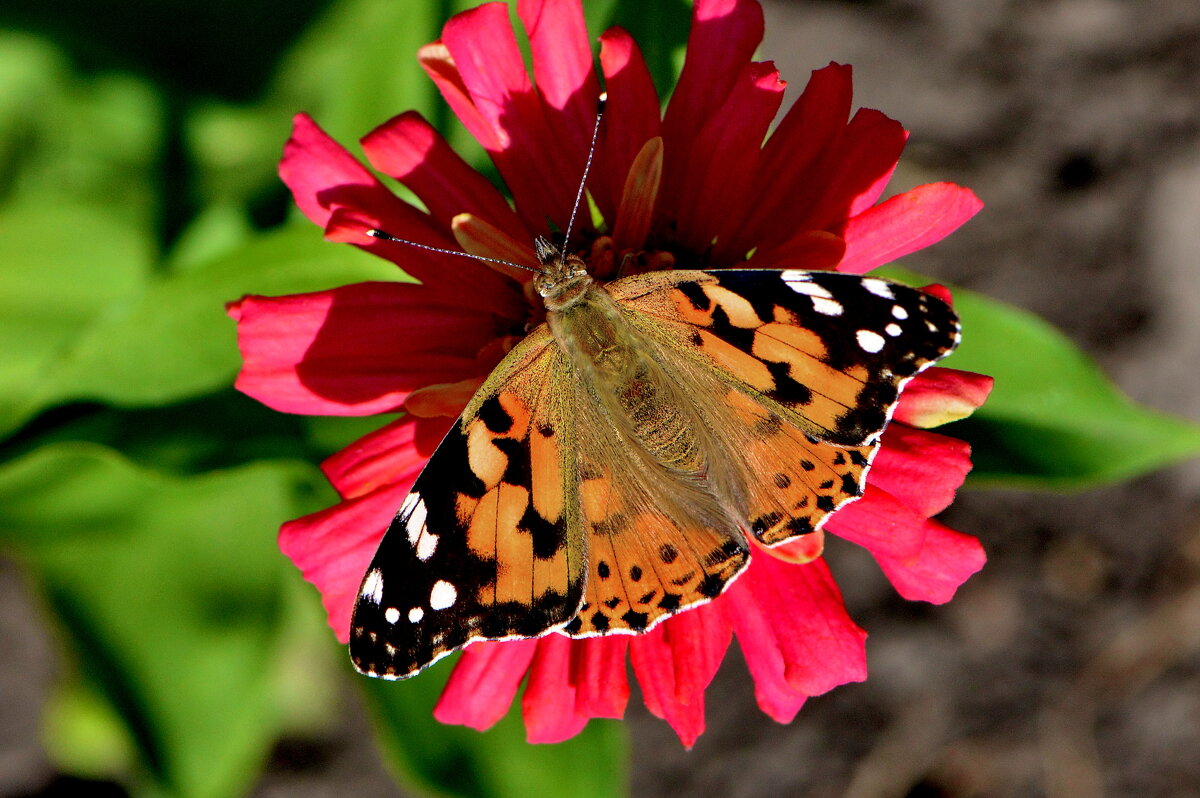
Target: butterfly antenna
[[375, 233], [587, 167]]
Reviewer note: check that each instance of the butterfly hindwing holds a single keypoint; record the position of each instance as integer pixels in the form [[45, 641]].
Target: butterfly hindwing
[[488, 544]]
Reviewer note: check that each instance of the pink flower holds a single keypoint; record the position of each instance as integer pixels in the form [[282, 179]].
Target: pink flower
[[807, 198]]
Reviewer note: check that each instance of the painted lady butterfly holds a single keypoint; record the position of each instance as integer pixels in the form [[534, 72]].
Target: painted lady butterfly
[[610, 470]]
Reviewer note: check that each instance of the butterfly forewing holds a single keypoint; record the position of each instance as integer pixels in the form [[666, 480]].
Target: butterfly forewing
[[797, 372], [488, 545]]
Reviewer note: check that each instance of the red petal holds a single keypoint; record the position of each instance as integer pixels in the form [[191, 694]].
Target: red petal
[[355, 350], [632, 117], [939, 395], [502, 110], [334, 547], [789, 157], [730, 153], [880, 522], [906, 223], [484, 682], [863, 156], [676, 661], [324, 177], [409, 149], [562, 68], [721, 42], [385, 457], [794, 632], [946, 560], [921, 469]]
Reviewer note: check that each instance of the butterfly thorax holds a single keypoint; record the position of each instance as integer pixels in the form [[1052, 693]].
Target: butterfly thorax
[[617, 368]]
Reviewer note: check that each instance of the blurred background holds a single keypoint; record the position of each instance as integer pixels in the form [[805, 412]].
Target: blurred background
[[153, 641]]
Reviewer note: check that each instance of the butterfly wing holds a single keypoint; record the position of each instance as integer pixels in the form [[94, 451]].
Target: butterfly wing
[[796, 372], [488, 545], [659, 541]]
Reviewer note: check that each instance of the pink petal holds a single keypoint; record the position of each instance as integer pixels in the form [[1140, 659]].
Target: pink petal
[[385, 457], [599, 675], [880, 522], [906, 223], [355, 350], [632, 117], [863, 156], [921, 469], [484, 682], [409, 149], [794, 632], [940, 395], [790, 155], [730, 153], [334, 547], [721, 42], [934, 573], [674, 664], [548, 705]]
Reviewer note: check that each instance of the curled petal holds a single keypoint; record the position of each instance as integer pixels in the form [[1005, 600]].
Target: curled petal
[[334, 547], [409, 149], [939, 395], [794, 632], [906, 223], [598, 673], [935, 572], [548, 705], [484, 682], [799, 550], [355, 350], [674, 663]]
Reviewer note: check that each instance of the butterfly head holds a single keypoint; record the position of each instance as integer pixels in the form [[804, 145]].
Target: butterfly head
[[563, 280]]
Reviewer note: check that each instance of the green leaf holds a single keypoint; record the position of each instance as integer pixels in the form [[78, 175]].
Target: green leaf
[[454, 761], [175, 340], [1054, 420], [168, 596], [64, 267]]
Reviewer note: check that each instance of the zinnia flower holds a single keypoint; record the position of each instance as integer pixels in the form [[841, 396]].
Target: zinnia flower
[[697, 187]]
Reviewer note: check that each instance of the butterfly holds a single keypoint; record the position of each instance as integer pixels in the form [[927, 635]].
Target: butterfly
[[615, 466]]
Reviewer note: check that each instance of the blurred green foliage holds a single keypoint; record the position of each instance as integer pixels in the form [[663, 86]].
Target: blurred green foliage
[[141, 494]]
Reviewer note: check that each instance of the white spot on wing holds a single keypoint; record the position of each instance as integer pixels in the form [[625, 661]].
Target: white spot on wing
[[416, 517], [878, 288], [801, 283], [372, 589], [443, 595], [892, 329], [899, 312], [391, 614], [426, 545], [415, 615], [828, 307], [869, 341]]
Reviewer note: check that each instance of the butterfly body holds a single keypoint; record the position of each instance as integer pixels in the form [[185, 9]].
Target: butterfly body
[[612, 470]]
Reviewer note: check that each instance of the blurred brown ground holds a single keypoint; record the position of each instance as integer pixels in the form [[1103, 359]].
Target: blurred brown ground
[[1070, 667]]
